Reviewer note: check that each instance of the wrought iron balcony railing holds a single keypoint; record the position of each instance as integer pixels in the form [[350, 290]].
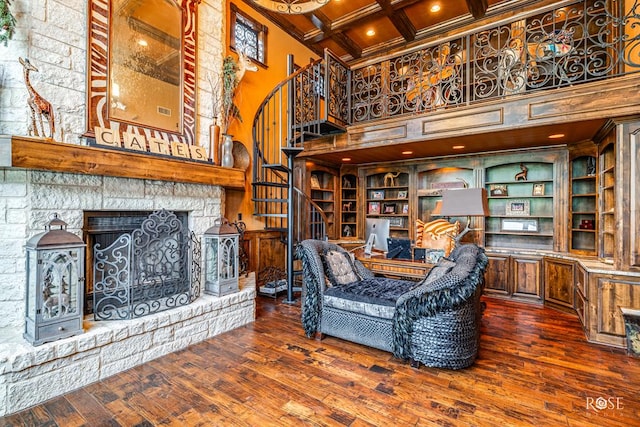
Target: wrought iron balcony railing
[[580, 42]]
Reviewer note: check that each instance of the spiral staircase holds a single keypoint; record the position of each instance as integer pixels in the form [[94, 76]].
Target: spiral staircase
[[312, 102]]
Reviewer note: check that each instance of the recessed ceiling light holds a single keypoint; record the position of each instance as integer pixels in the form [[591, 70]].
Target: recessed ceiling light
[[143, 42], [406, 153], [435, 8], [371, 32], [556, 136], [346, 159], [458, 147]]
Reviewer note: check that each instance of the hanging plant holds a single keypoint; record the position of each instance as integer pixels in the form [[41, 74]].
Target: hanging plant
[[7, 22]]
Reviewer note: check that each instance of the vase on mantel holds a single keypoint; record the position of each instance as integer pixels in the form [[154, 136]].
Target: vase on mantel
[[214, 143], [227, 151]]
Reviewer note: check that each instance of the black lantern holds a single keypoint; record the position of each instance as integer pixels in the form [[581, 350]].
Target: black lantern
[[55, 273], [220, 258]]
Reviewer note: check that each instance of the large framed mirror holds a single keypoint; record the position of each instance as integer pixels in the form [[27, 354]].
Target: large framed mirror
[[141, 71]]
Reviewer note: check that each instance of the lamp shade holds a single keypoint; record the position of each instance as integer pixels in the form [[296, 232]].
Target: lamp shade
[[464, 202]]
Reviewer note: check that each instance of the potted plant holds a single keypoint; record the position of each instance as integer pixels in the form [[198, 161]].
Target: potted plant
[[7, 22]]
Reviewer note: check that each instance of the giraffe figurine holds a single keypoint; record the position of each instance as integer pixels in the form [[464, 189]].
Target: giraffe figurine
[[38, 105]]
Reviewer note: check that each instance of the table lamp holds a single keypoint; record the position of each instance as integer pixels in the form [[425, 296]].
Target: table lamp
[[464, 202]]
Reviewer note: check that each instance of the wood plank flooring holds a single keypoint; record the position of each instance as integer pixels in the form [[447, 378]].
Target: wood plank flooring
[[534, 368]]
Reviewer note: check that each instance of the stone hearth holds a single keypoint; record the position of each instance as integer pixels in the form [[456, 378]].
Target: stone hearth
[[31, 375]]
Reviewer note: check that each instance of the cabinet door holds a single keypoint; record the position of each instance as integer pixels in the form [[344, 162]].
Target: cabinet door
[[496, 275], [558, 279], [581, 300], [608, 294], [527, 278]]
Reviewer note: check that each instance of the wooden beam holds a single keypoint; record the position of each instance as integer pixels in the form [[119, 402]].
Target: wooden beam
[[323, 23], [399, 19], [38, 153], [477, 8]]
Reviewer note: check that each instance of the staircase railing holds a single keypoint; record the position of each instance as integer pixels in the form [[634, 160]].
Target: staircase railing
[[312, 101]]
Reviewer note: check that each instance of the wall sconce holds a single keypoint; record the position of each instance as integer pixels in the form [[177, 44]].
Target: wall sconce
[[55, 273], [220, 258]]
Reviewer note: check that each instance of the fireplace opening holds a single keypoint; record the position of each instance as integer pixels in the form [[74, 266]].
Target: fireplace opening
[[105, 228]]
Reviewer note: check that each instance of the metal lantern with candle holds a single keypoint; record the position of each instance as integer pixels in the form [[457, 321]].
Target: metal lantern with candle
[[55, 274], [220, 258]]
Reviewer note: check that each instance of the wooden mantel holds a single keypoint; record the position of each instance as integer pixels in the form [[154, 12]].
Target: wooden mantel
[[38, 153]]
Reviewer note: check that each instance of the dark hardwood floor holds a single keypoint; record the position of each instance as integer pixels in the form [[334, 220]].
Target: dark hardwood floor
[[534, 368]]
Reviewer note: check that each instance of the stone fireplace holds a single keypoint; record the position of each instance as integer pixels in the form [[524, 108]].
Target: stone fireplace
[[29, 196], [104, 228]]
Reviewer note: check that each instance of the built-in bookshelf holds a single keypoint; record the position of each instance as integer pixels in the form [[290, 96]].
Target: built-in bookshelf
[[387, 196], [583, 205], [520, 199], [349, 206]]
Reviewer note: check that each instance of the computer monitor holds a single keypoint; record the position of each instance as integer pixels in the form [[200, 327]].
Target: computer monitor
[[377, 233], [399, 248]]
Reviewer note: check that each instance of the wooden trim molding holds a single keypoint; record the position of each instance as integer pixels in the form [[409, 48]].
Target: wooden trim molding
[[38, 153]]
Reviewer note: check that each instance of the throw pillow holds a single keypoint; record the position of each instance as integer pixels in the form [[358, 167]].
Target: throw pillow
[[339, 268]]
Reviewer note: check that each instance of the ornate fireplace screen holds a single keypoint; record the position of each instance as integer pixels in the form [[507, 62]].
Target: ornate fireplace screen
[[154, 268]]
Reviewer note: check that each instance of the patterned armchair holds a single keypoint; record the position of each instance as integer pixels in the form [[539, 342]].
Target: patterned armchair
[[435, 322]]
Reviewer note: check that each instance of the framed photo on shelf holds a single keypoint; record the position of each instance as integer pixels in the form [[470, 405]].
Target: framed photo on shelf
[[498, 190], [526, 225], [374, 208], [518, 208], [315, 183], [377, 194], [402, 194], [389, 208], [538, 190], [448, 184], [405, 208], [395, 221]]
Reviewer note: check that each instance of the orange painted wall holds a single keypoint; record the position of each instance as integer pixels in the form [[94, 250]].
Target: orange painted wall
[[252, 91]]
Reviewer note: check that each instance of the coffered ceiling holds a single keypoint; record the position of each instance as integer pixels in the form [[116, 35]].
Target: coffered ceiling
[[346, 26]]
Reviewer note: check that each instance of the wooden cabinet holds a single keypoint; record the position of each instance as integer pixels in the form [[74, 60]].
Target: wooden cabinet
[[348, 206], [558, 279], [583, 222], [387, 196], [521, 205], [527, 277], [496, 276], [516, 277], [609, 292]]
